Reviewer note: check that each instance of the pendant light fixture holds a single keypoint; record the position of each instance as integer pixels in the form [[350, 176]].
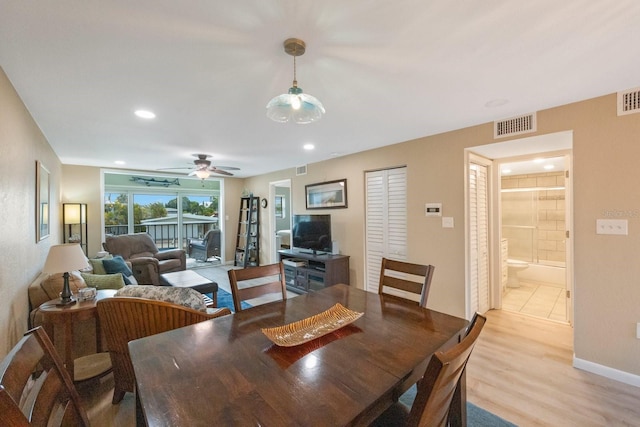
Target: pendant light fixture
[[295, 106]]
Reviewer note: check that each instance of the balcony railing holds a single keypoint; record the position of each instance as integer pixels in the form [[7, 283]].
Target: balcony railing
[[165, 236]]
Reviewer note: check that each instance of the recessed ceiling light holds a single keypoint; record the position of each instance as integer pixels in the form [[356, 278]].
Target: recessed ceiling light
[[547, 167], [538, 160], [145, 114], [496, 103], [120, 162], [506, 171], [308, 146]]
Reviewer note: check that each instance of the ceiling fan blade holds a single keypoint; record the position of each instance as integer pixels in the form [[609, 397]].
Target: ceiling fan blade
[[220, 171], [226, 168], [168, 169]]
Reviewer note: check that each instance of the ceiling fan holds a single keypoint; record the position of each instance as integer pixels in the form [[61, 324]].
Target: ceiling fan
[[203, 168]]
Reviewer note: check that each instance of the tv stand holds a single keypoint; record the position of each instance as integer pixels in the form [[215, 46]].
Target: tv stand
[[311, 272]]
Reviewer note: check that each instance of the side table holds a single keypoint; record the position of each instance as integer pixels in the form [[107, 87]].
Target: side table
[[87, 366]]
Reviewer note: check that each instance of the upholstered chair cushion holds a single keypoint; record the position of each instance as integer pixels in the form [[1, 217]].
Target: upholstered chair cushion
[[104, 281], [183, 296]]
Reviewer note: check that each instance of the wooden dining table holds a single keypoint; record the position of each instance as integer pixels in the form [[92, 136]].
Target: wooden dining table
[[225, 371]]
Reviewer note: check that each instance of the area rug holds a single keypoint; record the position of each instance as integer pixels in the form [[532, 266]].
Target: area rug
[[476, 416], [225, 299]]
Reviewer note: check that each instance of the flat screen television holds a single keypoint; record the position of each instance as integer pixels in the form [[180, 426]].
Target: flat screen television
[[311, 233]]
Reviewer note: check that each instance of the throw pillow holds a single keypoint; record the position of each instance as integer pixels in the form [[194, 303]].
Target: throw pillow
[[103, 281], [96, 264], [182, 296], [117, 265]]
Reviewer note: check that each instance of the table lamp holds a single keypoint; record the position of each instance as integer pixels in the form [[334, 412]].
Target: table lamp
[[63, 259]]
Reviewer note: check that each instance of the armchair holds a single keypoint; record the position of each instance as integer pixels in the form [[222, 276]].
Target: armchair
[[147, 262], [205, 248]]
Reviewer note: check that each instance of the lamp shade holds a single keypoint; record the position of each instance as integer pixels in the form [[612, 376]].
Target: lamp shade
[[65, 258], [295, 106], [202, 173], [72, 213]]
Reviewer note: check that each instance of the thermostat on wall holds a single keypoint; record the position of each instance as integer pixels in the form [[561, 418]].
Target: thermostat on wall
[[433, 209]]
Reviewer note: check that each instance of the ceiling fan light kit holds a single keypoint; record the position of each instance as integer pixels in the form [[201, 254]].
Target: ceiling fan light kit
[[203, 168], [295, 105]]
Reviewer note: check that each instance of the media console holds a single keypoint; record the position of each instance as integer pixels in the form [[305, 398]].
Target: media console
[[306, 272]]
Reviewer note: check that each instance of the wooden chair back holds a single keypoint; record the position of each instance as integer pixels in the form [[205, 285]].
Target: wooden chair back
[[249, 290], [407, 277], [436, 389], [35, 387], [125, 319]]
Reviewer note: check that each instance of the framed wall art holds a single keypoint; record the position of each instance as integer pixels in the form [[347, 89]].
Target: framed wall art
[[327, 195]]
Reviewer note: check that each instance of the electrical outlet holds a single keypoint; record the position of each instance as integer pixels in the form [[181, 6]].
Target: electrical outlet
[[638, 330], [612, 226]]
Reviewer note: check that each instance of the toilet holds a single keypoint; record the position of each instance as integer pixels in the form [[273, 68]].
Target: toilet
[[514, 266]]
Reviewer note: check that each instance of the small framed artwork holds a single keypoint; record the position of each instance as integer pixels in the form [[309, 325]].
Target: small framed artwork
[[42, 202], [327, 195], [279, 206]]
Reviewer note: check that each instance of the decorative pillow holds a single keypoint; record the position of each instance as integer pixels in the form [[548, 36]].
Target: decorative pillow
[[96, 264], [186, 297], [103, 281], [117, 265]]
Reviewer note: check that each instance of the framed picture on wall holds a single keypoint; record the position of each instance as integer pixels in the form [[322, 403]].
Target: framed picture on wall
[[327, 195], [42, 202]]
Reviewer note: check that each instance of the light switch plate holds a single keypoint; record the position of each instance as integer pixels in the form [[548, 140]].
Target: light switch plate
[[447, 222], [612, 226]]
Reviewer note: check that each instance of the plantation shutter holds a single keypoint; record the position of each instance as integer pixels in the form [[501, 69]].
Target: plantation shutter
[[478, 238], [386, 220]]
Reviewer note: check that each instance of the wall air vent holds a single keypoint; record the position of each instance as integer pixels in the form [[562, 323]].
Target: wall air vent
[[301, 170], [629, 101], [515, 126]]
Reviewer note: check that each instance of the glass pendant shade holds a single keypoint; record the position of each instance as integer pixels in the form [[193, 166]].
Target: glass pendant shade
[[295, 106]]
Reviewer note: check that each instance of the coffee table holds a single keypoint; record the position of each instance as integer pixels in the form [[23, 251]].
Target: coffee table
[[191, 279]]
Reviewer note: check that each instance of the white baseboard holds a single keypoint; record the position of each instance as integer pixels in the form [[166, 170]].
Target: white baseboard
[[605, 371]]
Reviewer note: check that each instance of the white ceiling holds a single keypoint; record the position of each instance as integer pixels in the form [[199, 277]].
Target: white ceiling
[[385, 71]]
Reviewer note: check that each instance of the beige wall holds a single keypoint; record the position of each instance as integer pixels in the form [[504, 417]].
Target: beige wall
[[21, 144], [605, 183], [605, 177]]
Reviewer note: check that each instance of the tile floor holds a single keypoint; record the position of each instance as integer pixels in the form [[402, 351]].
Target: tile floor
[[539, 300]]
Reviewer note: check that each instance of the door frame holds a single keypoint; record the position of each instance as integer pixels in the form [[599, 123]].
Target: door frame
[[554, 144]]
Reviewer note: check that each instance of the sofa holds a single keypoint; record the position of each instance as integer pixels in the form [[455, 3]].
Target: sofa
[[147, 262]]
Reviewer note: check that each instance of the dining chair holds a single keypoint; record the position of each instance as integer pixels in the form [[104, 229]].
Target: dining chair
[[35, 387], [438, 385], [407, 277], [252, 288], [125, 319]]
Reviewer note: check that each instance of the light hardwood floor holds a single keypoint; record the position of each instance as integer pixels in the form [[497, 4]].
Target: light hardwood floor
[[520, 370]]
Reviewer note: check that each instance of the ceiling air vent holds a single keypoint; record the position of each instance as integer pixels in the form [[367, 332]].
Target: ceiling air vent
[[515, 126], [629, 101], [301, 170]]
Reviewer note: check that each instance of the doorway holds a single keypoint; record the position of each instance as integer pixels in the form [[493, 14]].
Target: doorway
[[280, 212], [524, 243], [533, 236]]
